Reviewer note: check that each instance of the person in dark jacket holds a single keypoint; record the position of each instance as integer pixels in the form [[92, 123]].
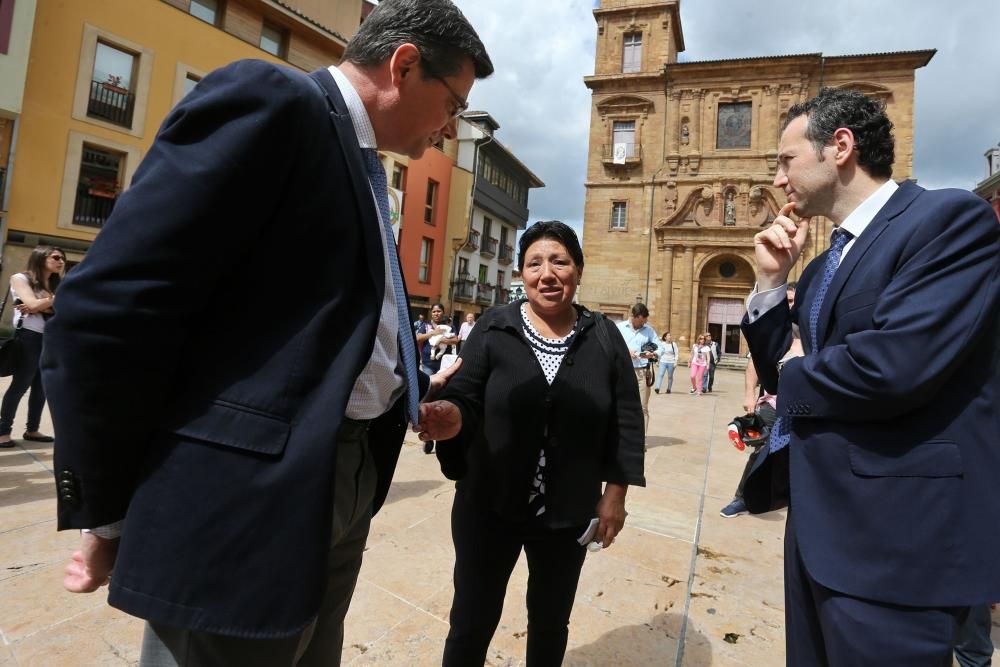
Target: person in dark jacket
[[544, 408]]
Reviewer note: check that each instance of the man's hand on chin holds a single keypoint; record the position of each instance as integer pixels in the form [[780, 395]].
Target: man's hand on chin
[[90, 567], [778, 248]]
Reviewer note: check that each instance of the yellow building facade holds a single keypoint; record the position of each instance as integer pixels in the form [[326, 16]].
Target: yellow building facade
[[682, 159], [101, 78]]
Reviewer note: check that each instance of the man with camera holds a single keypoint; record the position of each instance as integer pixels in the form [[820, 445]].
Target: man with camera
[[645, 347]]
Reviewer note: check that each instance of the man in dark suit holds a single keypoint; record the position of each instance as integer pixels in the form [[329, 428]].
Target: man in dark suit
[[232, 367], [888, 423]]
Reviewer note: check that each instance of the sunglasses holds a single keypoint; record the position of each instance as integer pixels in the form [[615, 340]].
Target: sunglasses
[[58, 258]]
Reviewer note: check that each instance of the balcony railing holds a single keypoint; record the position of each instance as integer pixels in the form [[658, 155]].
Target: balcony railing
[[111, 103], [489, 247], [506, 254], [503, 296], [633, 153], [464, 290], [484, 294], [473, 242], [90, 210]]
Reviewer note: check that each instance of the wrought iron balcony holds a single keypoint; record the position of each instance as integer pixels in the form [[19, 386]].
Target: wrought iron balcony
[[633, 153], [111, 103], [489, 248], [506, 254], [92, 210], [484, 294], [473, 241], [464, 289], [503, 296]]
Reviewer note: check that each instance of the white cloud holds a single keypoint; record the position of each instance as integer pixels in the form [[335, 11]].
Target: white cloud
[[542, 49]]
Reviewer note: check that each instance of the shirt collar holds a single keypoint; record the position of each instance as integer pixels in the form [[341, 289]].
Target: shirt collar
[[356, 109], [861, 217]]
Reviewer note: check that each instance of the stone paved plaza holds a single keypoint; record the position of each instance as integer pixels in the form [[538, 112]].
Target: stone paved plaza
[[680, 586]]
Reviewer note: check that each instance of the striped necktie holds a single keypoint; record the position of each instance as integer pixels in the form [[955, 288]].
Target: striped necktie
[[407, 348], [780, 435]]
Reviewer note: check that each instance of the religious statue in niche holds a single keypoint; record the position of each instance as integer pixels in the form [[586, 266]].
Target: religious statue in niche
[[685, 134], [730, 209]]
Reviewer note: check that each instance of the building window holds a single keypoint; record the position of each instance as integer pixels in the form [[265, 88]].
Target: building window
[[190, 81], [487, 228], [206, 10], [274, 40], [501, 277], [6, 24], [733, 126], [483, 273], [426, 255], [623, 134], [463, 267], [619, 215], [98, 186], [432, 189], [112, 97], [399, 176], [632, 53]]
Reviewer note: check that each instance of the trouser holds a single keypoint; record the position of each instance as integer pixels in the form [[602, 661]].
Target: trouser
[[667, 369], [973, 646], [824, 628], [486, 550], [697, 374], [708, 380], [25, 375], [644, 391], [321, 643]]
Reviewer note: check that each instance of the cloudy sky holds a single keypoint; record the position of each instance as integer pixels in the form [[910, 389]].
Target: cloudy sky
[[542, 49]]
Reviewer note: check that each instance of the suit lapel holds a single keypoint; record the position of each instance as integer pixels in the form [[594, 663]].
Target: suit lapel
[[896, 205], [348, 138]]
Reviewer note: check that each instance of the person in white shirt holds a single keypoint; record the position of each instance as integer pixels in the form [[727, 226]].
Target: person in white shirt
[[639, 335], [668, 361]]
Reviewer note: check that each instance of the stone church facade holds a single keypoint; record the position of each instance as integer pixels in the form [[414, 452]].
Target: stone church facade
[[682, 159]]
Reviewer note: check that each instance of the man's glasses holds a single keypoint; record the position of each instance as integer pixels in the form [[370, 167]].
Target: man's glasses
[[462, 103]]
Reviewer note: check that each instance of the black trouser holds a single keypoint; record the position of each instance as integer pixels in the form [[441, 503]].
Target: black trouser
[[769, 416], [486, 550], [25, 375]]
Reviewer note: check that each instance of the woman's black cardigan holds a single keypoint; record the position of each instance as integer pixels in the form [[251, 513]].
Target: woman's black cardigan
[[589, 420]]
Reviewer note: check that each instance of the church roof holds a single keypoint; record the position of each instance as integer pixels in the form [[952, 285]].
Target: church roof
[[928, 53]]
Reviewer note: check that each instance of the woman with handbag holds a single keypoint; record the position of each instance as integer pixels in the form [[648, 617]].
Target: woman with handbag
[[544, 409], [33, 293]]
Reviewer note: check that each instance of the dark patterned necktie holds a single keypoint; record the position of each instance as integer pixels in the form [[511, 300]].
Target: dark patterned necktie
[[407, 350], [780, 435]]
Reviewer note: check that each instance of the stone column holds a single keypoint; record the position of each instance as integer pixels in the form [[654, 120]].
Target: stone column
[[769, 119], [696, 96], [667, 282], [695, 287], [673, 121], [683, 325]]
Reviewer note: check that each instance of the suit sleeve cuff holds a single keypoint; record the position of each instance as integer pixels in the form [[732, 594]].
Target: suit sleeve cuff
[[111, 531], [759, 303]]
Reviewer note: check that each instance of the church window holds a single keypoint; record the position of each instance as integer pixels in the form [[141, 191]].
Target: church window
[[623, 133], [733, 127], [619, 215], [632, 52]]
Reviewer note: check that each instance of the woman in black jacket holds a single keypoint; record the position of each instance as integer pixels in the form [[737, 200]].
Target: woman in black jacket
[[544, 408]]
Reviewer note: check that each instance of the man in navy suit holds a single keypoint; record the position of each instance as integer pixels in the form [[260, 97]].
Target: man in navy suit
[[888, 423], [232, 367]]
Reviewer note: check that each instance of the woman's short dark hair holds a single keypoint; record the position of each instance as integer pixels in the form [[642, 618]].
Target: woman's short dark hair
[[35, 268], [437, 28], [550, 229], [865, 117]]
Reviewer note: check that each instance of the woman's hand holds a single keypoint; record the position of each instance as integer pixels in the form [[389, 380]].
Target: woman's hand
[[439, 420], [611, 513]]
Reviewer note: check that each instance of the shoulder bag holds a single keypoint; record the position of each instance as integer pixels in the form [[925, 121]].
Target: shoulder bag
[[10, 351]]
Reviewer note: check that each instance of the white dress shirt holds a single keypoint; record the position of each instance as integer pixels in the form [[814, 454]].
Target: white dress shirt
[[857, 222], [382, 380]]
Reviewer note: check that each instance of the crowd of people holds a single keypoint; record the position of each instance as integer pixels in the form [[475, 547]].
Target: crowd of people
[[232, 495]]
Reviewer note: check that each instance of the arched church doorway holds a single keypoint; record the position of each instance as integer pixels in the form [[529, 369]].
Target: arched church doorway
[[725, 282]]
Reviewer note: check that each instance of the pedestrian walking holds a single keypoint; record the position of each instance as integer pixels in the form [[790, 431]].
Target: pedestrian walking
[[668, 361]]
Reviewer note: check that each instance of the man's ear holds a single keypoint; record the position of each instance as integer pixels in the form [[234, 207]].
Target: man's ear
[[403, 63], [843, 143]]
